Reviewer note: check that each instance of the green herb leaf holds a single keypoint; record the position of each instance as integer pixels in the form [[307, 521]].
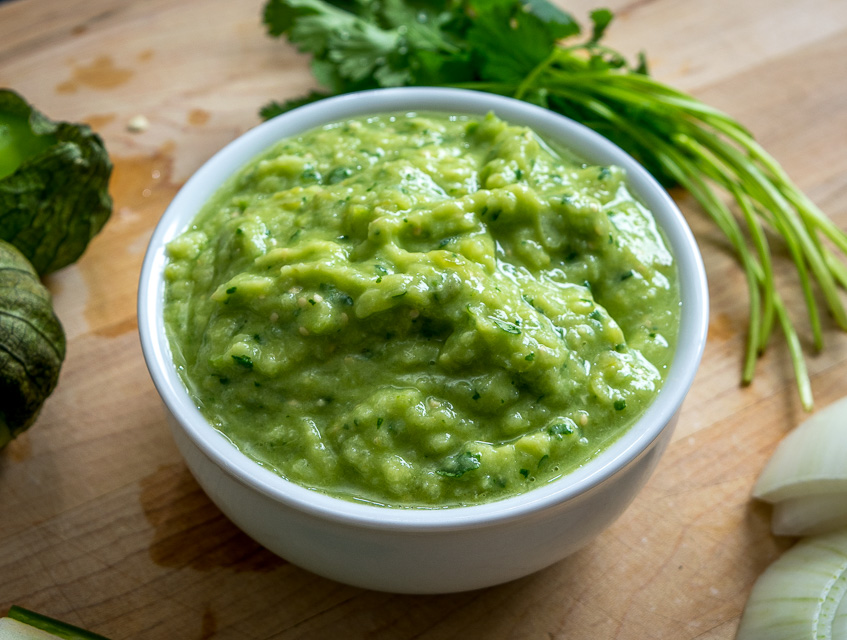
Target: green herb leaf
[[459, 465], [508, 327], [528, 36], [559, 23], [600, 18], [561, 429], [244, 361]]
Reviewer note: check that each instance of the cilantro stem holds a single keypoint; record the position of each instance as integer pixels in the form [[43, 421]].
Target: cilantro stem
[[794, 232], [529, 81], [838, 269], [711, 163], [760, 242], [753, 272], [804, 386]]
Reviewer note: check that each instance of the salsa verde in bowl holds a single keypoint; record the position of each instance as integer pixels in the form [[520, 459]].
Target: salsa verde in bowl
[[423, 317]]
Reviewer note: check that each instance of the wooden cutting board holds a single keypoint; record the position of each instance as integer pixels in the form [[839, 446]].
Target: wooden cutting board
[[103, 526]]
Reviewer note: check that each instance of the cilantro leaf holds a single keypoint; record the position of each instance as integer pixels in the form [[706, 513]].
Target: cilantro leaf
[[460, 464], [559, 23], [422, 25], [243, 361], [601, 18], [508, 327], [365, 44], [279, 17], [498, 22]]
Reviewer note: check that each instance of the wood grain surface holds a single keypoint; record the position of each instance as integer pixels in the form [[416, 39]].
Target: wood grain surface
[[102, 525]]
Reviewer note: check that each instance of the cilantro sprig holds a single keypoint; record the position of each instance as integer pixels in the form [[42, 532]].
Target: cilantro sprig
[[526, 49]]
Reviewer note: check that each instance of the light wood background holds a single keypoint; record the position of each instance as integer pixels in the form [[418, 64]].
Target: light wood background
[[102, 525]]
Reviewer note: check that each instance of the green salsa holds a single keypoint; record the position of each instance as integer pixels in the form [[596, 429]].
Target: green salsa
[[422, 311]]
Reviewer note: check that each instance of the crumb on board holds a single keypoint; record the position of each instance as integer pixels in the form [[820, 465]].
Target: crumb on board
[[137, 124]]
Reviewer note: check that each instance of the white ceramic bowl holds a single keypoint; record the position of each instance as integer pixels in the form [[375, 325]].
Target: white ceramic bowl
[[408, 550]]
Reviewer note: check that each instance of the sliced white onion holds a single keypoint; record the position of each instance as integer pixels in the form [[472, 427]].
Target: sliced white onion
[[13, 630], [810, 515], [839, 625], [810, 460], [801, 596]]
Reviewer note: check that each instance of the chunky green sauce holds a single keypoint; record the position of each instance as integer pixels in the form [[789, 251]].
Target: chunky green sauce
[[423, 311]]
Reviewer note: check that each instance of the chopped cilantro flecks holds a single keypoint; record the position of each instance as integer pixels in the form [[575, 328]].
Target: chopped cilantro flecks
[[459, 465], [508, 327], [243, 361], [338, 174], [561, 429]]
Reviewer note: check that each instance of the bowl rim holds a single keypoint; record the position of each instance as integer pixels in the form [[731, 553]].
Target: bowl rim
[[549, 125]]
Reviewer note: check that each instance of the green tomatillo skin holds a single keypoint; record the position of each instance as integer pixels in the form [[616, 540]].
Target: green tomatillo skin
[[54, 179], [32, 344], [18, 142]]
